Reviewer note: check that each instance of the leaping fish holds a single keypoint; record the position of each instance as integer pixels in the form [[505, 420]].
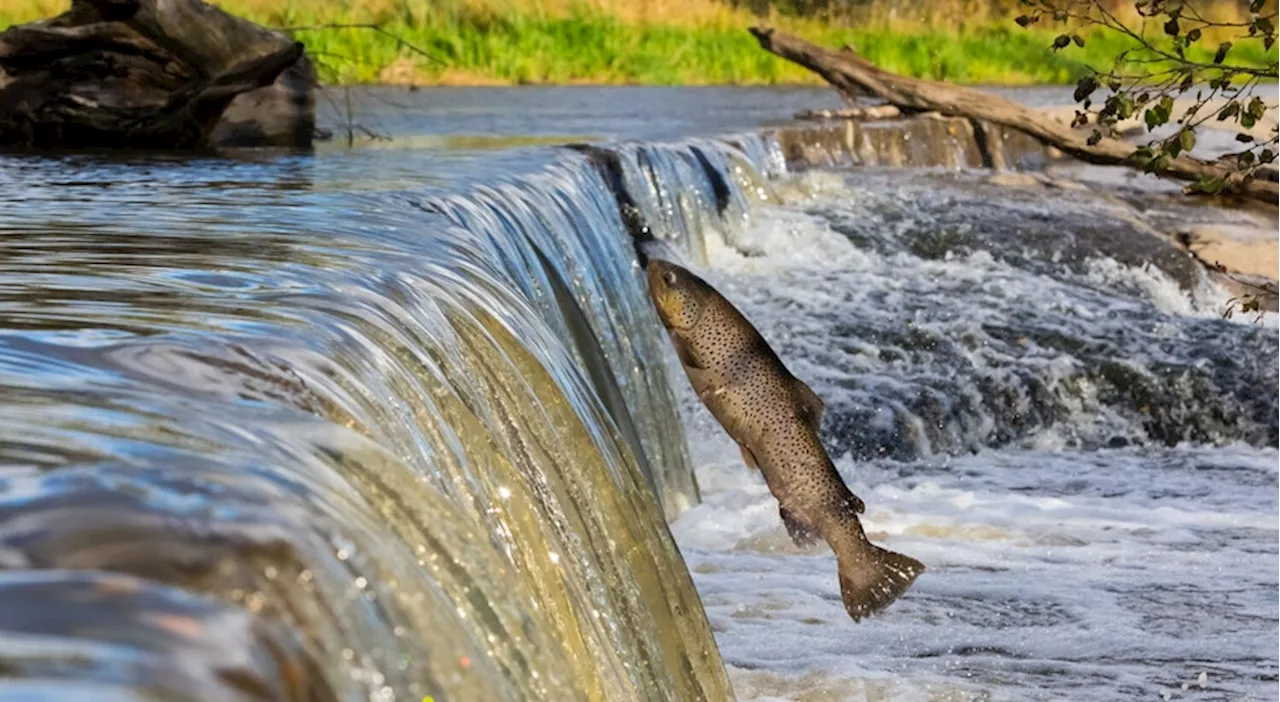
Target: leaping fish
[[774, 417]]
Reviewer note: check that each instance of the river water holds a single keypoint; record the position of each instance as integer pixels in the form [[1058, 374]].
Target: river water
[[398, 421]]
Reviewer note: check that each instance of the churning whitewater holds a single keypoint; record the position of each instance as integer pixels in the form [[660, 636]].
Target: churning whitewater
[[1082, 452]]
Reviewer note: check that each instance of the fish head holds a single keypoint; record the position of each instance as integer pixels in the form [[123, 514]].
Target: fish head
[[679, 295]]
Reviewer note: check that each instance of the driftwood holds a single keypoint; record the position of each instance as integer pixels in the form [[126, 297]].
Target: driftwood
[[851, 74], [150, 74]]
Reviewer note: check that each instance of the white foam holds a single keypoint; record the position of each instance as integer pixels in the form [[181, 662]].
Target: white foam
[[1054, 573]]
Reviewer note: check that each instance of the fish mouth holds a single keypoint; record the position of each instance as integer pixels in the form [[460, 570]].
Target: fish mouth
[[658, 289]]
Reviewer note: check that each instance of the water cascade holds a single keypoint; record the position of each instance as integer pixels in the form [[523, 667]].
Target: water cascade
[[368, 446], [268, 438]]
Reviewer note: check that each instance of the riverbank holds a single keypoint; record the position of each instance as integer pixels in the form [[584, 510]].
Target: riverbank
[[657, 41], [651, 42]]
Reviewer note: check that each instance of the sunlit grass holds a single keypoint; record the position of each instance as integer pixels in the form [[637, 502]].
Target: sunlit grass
[[645, 41]]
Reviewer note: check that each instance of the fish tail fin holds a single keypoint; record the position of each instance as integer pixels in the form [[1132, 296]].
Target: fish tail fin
[[872, 578]]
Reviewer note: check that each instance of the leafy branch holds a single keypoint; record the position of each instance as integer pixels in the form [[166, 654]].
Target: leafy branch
[[1148, 78]]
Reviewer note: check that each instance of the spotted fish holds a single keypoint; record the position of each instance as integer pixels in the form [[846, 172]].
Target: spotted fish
[[774, 417]]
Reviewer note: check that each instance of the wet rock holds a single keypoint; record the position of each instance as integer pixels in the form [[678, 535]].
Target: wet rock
[[152, 74], [1241, 248], [1017, 226], [930, 140], [1009, 179]]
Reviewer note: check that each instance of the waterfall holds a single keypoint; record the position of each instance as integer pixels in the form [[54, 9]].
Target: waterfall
[[288, 444]]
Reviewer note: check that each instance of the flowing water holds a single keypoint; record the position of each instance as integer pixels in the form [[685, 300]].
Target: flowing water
[[398, 422]]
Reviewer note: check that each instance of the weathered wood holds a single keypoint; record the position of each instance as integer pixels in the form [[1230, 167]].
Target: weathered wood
[[154, 74], [851, 74]]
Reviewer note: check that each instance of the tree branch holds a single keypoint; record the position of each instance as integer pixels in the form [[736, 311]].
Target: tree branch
[[850, 72]]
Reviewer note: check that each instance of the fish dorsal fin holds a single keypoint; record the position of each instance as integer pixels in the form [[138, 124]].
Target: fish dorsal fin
[[811, 406]]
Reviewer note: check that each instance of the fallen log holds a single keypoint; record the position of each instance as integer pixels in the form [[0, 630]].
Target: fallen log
[[849, 73], [147, 74]]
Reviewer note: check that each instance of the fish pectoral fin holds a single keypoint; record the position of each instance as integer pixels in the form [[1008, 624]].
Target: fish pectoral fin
[[685, 353], [748, 457], [811, 406], [703, 383], [802, 533]]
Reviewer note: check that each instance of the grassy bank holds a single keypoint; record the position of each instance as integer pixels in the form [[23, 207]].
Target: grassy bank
[[642, 41]]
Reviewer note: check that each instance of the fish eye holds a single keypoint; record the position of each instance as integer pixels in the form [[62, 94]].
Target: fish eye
[[670, 277]]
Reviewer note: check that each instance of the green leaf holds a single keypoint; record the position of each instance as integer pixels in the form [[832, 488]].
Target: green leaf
[[1193, 35], [1230, 110], [1247, 121], [1094, 138], [1152, 118], [1212, 186], [1246, 158], [1256, 6], [1124, 107], [1223, 48], [1023, 20], [1257, 108], [1085, 88], [1243, 137], [1079, 40], [1265, 26], [1061, 42], [1266, 156], [1171, 27], [1187, 139]]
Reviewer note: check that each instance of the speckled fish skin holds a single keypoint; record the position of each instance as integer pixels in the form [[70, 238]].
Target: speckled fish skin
[[774, 417]]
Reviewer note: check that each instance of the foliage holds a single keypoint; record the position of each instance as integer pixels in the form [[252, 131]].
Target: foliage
[[1176, 49]]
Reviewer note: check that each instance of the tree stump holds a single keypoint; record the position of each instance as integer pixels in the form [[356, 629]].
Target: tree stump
[[152, 74]]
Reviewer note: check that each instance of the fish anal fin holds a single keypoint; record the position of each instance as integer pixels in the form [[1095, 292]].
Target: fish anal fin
[[811, 406], [802, 533], [748, 457]]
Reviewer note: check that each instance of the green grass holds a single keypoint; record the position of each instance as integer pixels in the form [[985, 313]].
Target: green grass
[[608, 41], [604, 50]]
